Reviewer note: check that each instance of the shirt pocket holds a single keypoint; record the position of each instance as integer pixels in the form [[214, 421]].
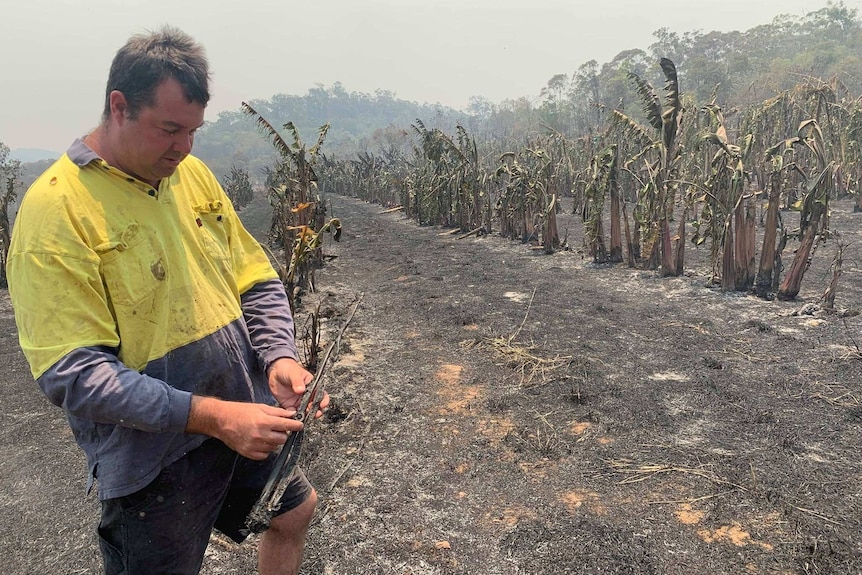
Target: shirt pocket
[[131, 267], [211, 225]]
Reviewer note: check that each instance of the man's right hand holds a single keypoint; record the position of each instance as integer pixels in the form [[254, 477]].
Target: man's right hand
[[254, 430]]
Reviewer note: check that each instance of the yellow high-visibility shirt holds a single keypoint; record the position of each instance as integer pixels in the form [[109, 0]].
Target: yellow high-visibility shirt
[[100, 258]]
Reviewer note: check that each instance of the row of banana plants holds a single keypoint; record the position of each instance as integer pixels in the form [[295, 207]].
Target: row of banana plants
[[643, 181]]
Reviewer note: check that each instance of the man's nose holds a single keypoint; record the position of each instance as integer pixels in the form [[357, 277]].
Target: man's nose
[[184, 143]]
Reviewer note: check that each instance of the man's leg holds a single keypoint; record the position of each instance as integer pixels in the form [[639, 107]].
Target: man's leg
[[164, 528], [281, 546]]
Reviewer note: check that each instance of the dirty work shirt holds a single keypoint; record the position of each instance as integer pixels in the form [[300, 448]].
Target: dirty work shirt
[[129, 299]]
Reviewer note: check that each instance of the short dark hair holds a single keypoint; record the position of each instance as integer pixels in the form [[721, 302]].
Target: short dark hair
[[147, 60]]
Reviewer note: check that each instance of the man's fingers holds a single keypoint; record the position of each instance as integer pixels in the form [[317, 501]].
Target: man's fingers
[[257, 455]]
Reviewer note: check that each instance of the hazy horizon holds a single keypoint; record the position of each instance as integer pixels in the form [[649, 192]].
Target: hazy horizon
[[442, 52]]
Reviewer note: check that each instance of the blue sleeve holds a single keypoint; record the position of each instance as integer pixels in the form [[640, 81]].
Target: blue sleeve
[[92, 383], [270, 323]]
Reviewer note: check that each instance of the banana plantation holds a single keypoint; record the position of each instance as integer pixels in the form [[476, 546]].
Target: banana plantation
[[735, 143], [754, 191]]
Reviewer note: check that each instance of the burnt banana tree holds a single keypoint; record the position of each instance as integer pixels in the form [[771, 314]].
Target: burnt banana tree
[[298, 209], [526, 208], [657, 164], [813, 206], [603, 181], [769, 270], [728, 216]]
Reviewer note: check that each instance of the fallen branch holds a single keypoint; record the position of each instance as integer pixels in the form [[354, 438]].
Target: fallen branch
[[471, 233], [639, 473]]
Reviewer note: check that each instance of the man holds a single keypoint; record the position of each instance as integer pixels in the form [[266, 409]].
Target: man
[[154, 319]]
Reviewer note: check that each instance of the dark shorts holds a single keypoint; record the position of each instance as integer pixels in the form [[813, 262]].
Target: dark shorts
[[165, 527]]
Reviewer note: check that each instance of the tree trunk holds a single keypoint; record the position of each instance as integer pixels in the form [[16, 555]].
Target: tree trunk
[[763, 283], [597, 244], [668, 261], [616, 254], [829, 294], [489, 212], [793, 280], [630, 248], [728, 270], [745, 217], [551, 238], [679, 247]]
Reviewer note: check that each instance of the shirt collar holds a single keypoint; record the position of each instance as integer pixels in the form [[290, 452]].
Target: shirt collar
[[80, 153]]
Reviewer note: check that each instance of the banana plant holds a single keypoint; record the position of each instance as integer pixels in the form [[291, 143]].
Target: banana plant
[[237, 186], [769, 270], [660, 156], [728, 214], [813, 205], [293, 190], [304, 258], [603, 181], [294, 181], [526, 208]]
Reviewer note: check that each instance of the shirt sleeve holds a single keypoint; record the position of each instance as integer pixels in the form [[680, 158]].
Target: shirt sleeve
[[92, 383], [270, 323], [55, 283]]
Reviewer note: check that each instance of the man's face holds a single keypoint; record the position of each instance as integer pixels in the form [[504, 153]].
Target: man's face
[[152, 145]]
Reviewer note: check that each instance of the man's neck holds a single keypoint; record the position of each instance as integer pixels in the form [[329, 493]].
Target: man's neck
[[98, 141]]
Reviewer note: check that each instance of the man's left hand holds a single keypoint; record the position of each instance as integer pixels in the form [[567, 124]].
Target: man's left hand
[[288, 380]]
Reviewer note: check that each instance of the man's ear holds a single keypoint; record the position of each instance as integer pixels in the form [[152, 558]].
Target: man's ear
[[119, 106]]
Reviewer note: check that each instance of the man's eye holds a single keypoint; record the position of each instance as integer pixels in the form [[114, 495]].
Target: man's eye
[[169, 132]]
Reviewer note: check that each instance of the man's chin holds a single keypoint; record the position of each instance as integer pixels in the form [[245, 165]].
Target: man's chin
[[167, 170]]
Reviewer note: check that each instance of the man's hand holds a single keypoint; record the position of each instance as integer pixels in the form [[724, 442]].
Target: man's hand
[[254, 430], [288, 380]]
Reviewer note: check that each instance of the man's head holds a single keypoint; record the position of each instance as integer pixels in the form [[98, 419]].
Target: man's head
[[157, 92], [148, 59]]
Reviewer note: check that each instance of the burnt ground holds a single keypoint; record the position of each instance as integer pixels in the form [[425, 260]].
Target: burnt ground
[[501, 411]]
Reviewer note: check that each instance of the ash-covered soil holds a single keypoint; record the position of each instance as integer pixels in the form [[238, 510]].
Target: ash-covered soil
[[500, 411]]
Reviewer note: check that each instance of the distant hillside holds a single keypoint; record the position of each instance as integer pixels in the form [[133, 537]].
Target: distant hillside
[[33, 155], [356, 120]]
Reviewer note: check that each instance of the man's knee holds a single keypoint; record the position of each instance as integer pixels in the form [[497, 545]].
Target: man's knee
[[295, 522]]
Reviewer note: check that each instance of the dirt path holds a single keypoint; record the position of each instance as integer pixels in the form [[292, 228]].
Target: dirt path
[[499, 411]]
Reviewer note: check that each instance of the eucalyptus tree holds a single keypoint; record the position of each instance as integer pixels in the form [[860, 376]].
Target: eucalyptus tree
[[615, 78], [554, 107], [585, 97]]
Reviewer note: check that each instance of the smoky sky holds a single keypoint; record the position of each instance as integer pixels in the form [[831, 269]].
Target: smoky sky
[[57, 52]]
